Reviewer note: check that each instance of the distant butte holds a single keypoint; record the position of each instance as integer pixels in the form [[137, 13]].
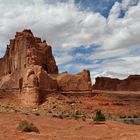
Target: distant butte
[[132, 83], [29, 69]]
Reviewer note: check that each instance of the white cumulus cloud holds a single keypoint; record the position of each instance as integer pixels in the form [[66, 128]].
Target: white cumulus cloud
[[66, 26]]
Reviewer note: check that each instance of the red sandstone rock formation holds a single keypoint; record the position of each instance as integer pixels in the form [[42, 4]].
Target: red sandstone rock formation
[[27, 50], [26, 65], [132, 83], [106, 83], [77, 82], [29, 66]]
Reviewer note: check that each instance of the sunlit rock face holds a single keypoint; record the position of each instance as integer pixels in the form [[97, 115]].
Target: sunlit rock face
[[77, 82], [29, 67], [26, 50], [132, 83]]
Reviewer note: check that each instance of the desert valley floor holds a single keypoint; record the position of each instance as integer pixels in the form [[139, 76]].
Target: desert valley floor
[[65, 129], [54, 120]]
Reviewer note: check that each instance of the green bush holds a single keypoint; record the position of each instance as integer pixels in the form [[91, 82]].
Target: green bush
[[61, 116], [25, 126], [76, 115], [84, 119], [99, 116]]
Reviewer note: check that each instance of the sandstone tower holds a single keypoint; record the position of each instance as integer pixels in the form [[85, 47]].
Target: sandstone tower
[[29, 67]]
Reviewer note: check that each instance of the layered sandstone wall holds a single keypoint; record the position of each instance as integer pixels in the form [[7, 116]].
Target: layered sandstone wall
[[76, 82], [132, 83]]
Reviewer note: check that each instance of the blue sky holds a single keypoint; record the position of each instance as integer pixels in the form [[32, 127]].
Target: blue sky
[[99, 35], [101, 6]]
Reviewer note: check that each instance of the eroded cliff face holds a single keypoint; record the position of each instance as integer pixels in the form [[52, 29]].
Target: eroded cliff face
[[26, 50], [76, 82], [29, 66], [132, 83], [26, 66]]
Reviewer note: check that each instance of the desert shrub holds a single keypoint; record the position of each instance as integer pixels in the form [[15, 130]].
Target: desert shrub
[[67, 115], [36, 113], [25, 126], [123, 116], [55, 115], [135, 116], [76, 115], [49, 111], [99, 116], [61, 116], [84, 119]]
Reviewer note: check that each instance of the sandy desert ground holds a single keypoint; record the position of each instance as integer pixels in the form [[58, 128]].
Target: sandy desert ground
[[50, 117], [65, 129]]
